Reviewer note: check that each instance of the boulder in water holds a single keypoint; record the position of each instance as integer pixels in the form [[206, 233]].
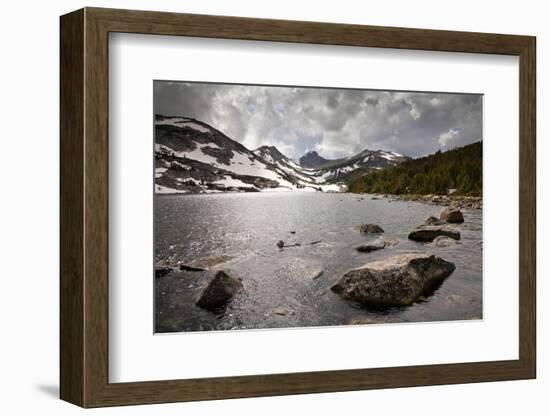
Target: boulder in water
[[371, 246], [395, 281], [219, 291], [444, 241], [315, 274], [370, 229], [452, 214], [434, 221], [427, 233]]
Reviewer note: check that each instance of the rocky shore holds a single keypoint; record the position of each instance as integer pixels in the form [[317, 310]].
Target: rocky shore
[[458, 201]]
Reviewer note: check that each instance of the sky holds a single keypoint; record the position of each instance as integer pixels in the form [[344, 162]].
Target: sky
[[334, 122]]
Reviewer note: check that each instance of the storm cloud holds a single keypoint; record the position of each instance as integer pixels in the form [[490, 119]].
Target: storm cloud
[[334, 122]]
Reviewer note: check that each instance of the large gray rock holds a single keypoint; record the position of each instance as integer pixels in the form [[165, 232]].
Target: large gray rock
[[371, 229], [452, 214], [219, 291], [372, 246], [395, 281], [427, 233]]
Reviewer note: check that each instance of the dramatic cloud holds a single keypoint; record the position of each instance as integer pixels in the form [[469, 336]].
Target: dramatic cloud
[[334, 122]]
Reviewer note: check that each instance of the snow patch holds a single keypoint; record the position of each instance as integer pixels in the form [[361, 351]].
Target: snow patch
[[163, 149], [180, 165], [212, 146], [198, 155], [230, 182], [159, 172], [159, 189], [243, 164], [333, 187], [182, 122], [389, 155]]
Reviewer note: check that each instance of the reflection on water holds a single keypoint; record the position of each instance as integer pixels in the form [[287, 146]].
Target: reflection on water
[[282, 288]]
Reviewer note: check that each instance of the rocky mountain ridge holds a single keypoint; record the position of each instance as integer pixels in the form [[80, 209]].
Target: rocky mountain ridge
[[194, 157]]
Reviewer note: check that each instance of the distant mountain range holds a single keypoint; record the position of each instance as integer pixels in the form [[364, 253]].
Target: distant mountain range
[[193, 157]]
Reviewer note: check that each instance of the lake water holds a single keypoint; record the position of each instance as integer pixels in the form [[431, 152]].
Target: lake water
[[238, 232]]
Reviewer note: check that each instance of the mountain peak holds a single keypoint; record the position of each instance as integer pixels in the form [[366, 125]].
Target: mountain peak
[[270, 153], [266, 148], [312, 160]]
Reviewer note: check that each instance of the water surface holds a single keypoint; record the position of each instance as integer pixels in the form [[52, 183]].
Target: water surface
[[238, 232]]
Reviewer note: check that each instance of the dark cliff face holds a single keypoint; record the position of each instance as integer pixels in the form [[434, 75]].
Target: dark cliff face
[[312, 160]]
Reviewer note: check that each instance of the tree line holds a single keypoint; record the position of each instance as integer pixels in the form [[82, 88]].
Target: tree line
[[459, 169]]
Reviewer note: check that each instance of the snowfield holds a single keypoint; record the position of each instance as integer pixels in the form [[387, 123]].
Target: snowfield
[[229, 182]]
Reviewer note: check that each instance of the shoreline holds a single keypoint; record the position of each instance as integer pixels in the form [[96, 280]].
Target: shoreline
[[459, 201]]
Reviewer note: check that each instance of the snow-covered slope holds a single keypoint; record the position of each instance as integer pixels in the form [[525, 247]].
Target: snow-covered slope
[[193, 157], [341, 169]]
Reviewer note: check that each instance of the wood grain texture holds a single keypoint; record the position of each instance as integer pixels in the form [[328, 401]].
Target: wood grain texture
[[84, 205], [527, 208], [71, 99]]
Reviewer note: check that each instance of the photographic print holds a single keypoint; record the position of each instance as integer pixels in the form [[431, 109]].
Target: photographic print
[[293, 207]]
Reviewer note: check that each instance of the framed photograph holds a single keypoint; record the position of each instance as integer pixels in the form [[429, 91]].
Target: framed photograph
[[255, 207]]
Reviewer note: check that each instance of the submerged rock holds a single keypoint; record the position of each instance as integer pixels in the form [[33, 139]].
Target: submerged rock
[[390, 242], [279, 310], [219, 291], [444, 241], [434, 221], [427, 233], [372, 246], [208, 262], [162, 271], [316, 274], [188, 268], [395, 281], [452, 214], [370, 229], [293, 245]]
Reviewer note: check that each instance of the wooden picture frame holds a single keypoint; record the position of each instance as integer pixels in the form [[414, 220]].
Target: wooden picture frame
[[84, 207]]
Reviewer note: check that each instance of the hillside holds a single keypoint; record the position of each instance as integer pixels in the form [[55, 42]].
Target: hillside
[[194, 157], [459, 169]]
